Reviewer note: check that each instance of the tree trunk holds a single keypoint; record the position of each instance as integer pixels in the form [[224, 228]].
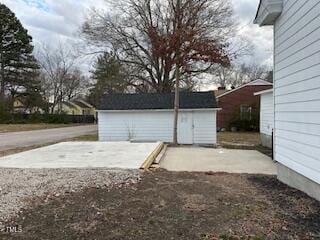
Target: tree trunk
[[176, 107]]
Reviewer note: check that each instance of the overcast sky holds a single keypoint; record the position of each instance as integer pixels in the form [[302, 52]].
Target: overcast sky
[[57, 21]]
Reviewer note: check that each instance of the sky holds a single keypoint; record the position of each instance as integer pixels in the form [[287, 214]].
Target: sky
[[54, 22]]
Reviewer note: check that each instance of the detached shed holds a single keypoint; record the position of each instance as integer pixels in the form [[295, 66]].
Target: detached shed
[[266, 116], [150, 116]]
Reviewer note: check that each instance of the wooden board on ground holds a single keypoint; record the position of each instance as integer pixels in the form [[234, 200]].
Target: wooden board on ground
[[150, 159]]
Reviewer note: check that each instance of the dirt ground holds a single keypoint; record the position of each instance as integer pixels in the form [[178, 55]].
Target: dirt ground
[[167, 205], [29, 127]]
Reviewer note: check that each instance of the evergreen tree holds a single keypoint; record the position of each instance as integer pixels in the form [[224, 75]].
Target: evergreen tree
[[17, 64], [32, 98], [109, 77]]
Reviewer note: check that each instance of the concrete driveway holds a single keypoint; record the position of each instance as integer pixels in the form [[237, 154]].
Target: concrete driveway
[[199, 159], [83, 155], [37, 137]]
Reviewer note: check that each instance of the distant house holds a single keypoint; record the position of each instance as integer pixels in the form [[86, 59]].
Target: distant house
[[296, 90], [149, 117], [239, 103], [20, 107], [266, 116], [77, 106]]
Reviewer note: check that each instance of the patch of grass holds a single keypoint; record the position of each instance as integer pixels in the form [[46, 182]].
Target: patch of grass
[[247, 138], [257, 238], [84, 138], [151, 222], [21, 149], [29, 127], [90, 138], [232, 237]]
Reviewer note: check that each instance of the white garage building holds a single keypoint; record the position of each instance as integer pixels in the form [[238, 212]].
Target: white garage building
[[266, 116], [296, 90], [150, 116]]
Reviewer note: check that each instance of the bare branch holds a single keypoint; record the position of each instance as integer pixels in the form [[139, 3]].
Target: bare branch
[[155, 37]]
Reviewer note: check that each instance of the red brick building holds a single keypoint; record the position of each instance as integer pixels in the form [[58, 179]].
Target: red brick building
[[239, 103]]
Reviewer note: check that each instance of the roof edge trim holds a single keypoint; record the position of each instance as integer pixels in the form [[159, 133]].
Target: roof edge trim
[[245, 85], [263, 92], [268, 12], [163, 110]]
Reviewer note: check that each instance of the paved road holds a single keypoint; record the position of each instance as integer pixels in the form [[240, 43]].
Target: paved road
[[37, 137]]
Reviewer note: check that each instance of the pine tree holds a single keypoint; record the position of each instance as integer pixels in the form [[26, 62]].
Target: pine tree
[[17, 64], [109, 77], [32, 98]]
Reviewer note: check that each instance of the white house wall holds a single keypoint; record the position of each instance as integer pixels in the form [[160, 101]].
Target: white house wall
[[157, 126], [297, 87], [266, 114]]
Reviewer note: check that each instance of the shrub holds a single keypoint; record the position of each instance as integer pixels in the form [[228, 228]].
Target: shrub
[[245, 125], [18, 118]]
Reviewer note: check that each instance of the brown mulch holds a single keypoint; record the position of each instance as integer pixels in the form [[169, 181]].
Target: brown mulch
[[167, 205]]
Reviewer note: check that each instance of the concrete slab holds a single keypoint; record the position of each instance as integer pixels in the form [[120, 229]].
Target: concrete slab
[[37, 137], [199, 159], [82, 155]]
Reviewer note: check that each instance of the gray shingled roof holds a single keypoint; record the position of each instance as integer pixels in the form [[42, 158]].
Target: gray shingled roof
[[143, 101]]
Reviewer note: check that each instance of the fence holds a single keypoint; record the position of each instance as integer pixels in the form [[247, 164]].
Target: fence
[[17, 118]]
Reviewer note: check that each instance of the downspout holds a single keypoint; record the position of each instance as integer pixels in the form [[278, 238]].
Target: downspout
[[274, 94]]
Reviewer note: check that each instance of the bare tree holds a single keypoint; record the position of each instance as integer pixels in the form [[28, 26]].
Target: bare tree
[[255, 71], [165, 42], [74, 84], [236, 75], [147, 37], [60, 77]]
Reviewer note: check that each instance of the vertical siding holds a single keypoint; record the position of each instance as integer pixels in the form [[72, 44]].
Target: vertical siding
[[266, 113], [155, 126], [297, 87]]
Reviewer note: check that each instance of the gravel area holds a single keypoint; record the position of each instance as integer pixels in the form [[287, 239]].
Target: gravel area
[[19, 186]]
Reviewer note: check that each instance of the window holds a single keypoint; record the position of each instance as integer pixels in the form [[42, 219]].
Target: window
[[245, 112]]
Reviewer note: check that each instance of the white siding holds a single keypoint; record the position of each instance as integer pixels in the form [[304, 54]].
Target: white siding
[[197, 127], [297, 87], [266, 113], [205, 127]]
